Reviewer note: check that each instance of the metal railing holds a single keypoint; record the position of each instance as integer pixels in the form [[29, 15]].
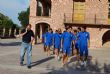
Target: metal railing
[[69, 18]]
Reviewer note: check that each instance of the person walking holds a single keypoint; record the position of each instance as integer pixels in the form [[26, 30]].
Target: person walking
[[49, 41], [84, 44], [27, 40], [57, 43], [67, 39]]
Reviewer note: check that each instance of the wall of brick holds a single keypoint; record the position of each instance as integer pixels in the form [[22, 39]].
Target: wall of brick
[[98, 10], [33, 7], [94, 8], [96, 35]]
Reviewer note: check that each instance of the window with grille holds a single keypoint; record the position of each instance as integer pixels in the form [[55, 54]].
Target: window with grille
[[79, 0], [109, 11]]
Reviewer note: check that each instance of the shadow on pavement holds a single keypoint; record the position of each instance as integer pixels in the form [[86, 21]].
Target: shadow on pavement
[[11, 44], [41, 61], [107, 68], [93, 67]]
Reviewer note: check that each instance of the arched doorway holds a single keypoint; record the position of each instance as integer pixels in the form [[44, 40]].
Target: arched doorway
[[106, 37], [41, 28]]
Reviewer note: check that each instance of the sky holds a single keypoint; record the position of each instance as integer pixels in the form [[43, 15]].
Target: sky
[[11, 8]]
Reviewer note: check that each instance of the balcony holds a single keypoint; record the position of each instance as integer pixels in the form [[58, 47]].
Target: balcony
[[70, 19]]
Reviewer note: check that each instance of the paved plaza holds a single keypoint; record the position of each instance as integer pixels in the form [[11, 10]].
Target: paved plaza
[[41, 64]]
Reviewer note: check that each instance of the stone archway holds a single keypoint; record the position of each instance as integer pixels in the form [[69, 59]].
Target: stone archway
[[106, 37], [40, 28]]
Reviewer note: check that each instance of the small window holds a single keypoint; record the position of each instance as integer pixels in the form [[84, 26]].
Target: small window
[[108, 15], [79, 0]]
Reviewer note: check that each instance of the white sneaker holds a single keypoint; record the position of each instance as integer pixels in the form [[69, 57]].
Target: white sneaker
[[58, 58], [78, 67], [85, 63], [82, 63]]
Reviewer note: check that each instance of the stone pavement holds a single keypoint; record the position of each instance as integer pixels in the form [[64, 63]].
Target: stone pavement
[[9, 61]]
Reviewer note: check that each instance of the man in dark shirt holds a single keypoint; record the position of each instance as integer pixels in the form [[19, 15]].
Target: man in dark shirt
[[27, 39]]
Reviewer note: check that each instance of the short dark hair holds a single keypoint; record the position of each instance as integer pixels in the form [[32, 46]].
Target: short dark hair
[[84, 27], [50, 29], [56, 31], [75, 31], [68, 27], [79, 28], [29, 25]]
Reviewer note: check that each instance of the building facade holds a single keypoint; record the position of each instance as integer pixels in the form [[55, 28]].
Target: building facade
[[56, 14]]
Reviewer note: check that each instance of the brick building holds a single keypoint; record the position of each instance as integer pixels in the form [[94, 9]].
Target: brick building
[[56, 14]]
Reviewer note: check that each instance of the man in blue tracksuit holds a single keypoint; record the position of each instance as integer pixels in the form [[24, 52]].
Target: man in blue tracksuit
[[84, 43], [57, 43], [67, 39], [77, 33], [49, 41], [77, 39]]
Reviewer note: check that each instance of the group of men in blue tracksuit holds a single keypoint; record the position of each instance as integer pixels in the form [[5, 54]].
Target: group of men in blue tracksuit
[[68, 41]]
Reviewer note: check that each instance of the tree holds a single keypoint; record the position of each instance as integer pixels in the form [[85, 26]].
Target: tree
[[7, 23], [24, 17]]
